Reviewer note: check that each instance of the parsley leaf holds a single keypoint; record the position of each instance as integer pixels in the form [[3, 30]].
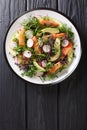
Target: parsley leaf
[[32, 24], [31, 71], [67, 30]]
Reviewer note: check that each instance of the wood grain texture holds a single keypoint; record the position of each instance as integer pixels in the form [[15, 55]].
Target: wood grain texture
[[42, 108], [73, 91], [12, 90], [25, 106], [41, 3]]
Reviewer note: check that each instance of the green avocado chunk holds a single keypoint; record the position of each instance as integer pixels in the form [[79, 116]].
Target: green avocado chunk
[[15, 37], [70, 56], [38, 66], [57, 47], [50, 30]]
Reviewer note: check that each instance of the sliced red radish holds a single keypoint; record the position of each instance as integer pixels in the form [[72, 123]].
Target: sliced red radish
[[43, 63], [65, 43], [17, 62], [30, 43], [46, 48], [12, 45], [27, 54]]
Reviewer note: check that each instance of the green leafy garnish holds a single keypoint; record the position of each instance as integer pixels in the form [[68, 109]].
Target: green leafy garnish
[[46, 17], [67, 30], [31, 71], [49, 65], [19, 49], [33, 24]]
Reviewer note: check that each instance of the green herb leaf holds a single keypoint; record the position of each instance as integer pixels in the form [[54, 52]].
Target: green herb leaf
[[31, 71], [33, 24], [67, 30], [49, 65]]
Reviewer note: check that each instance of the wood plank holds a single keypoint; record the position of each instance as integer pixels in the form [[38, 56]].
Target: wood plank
[[73, 91], [41, 108], [41, 3], [41, 101], [12, 89]]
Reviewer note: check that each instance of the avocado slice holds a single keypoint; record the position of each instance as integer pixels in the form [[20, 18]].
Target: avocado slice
[[38, 66], [12, 52], [70, 56], [15, 37], [57, 47], [50, 30]]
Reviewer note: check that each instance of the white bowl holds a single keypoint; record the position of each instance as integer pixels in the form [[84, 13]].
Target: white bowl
[[57, 15]]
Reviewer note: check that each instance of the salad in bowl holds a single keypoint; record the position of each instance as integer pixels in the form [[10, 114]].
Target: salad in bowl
[[42, 47]]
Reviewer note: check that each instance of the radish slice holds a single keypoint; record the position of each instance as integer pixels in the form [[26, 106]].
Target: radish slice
[[29, 34], [12, 45], [27, 54], [65, 43], [43, 63], [17, 62], [30, 43], [46, 48]]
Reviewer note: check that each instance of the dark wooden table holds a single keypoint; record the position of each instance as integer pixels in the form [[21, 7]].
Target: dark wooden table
[[24, 106]]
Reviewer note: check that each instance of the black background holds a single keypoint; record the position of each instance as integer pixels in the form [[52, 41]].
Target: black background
[[24, 106]]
